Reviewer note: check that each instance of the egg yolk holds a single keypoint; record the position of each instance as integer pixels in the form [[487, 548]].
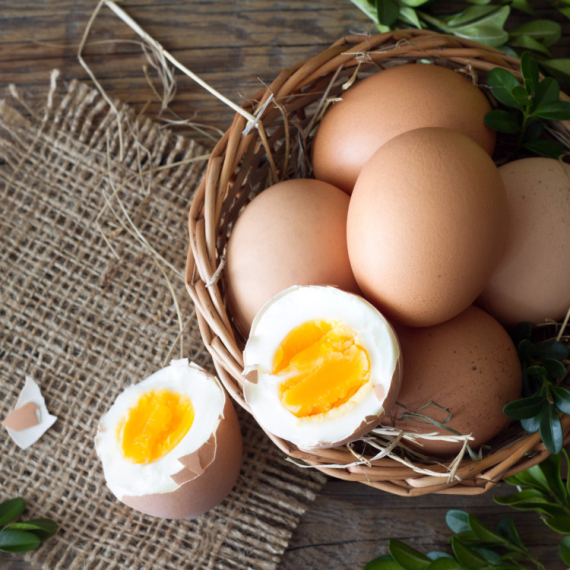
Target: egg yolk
[[323, 367], [155, 425]]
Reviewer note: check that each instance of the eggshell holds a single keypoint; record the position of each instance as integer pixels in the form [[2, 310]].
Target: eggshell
[[469, 365], [532, 279], [293, 233], [389, 103], [426, 225], [205, 489]]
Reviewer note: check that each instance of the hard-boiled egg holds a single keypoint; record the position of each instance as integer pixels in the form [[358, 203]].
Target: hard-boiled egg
[[323, 366], [171, 444]]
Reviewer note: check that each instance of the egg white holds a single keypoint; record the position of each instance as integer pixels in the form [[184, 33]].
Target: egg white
[[285, 312], [186, 379]]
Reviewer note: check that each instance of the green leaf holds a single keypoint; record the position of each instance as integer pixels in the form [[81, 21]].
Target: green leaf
[[528, 42], [524, 6], [526, 496], [488, 555], [520, 94], [42, 528], [408, 557], [525, 408], [481, 23], [559, 524], [507, 529], [486, 534], [547, 91], [437, 554], [530, 73], [467, 556], [18, 541], [550, 471], [544, 147], [369, 8], [479, 2], [547, 32], [553, 349], [551, 429], [445, 564], [410, 16], [387, 11], [559, 68], [538, 371], [457, 521], [11, 509], [555, 368], [564, 550], [561, 398], [385, 562], [526, 350], [555, 111], [531, 425], [502, 121], [414, 3]]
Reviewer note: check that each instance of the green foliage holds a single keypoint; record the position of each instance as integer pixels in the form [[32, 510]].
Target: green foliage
[[22, 536], [474, 546], [528, 104], [543, 400], [483, 21]]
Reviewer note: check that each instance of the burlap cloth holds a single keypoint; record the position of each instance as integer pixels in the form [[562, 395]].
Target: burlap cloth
[[86, 316]]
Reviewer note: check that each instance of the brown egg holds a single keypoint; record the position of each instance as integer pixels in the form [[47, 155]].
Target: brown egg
[[532, 280], [426, 225], [392, 102], [293, 233], [468, 365]]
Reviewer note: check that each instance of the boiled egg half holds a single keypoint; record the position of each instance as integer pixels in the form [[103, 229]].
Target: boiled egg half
[[322, 366], [171, 445]]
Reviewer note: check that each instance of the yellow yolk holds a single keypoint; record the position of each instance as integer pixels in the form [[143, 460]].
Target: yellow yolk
[[155, 426], [322, 366]]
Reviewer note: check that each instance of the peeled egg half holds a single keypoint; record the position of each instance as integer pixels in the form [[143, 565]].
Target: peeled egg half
[[171, 444], [322, 365]]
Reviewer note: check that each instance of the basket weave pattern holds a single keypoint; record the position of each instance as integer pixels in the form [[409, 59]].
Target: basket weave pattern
[[250, 158]]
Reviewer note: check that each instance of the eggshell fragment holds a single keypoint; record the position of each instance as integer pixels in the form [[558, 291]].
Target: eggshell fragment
[[469, 365], [293, 233], [389, 103], [22, 418], [426, 225], [31, 394], [532, 280]]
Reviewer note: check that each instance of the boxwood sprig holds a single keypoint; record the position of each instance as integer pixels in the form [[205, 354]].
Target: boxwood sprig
[[25, 535], [528, 105], [475, 546], [543, 398]]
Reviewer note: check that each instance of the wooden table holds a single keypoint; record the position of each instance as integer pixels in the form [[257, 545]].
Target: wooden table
[[234, 46]]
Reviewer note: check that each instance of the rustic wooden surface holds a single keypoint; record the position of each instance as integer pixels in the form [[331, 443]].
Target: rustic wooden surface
[[234, 46]]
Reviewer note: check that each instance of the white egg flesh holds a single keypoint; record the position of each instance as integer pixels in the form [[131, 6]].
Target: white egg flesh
[[152, 424], [324, 361]]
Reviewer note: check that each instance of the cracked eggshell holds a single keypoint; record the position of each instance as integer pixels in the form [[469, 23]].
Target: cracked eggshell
[[365, 410], [199, 472]]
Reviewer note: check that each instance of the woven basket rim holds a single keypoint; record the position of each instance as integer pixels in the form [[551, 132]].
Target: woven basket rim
[[205, 263]]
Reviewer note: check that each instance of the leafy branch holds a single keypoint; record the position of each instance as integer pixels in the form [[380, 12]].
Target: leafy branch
[[483, 22], [22, 536], [528, 104], [475, 546], [543, 398]]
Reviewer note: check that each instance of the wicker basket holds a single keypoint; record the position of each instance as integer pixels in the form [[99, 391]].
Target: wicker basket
[[248, 159]]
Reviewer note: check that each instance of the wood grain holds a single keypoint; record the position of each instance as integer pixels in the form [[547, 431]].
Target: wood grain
[[236, 45]]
